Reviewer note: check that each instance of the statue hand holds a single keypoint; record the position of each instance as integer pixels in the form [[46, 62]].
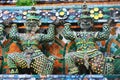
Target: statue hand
[[58, 22], [14, 25], [109, 59], [7, 23], [110, 22], [52, 25], [67, 24]]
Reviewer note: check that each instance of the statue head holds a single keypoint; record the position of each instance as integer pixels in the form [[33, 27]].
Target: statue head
[[32, 23], [85, 21]]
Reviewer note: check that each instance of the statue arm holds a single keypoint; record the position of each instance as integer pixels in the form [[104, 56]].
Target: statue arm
[[2, 34], [68, 34], [49, 36], [14, 32], [104, 34], [11, 64]]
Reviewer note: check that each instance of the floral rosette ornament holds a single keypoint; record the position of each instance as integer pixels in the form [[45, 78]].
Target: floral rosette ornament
[[62, 13], [96, 13]]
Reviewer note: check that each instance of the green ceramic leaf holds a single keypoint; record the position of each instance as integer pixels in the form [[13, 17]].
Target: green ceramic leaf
[[106, 16], [106, 10], [96, 14]]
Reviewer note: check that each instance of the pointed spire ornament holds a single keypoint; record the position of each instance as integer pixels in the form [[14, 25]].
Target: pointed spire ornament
[[85, 11]]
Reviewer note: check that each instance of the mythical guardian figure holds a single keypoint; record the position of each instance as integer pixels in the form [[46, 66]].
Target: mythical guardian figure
[[31, 60], [86, 53]]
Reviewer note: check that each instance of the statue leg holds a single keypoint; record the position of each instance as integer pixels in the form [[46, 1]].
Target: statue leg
[[11, 63], [109, 66], [41, 64], [70, 63], [97, 64], [16, 60]]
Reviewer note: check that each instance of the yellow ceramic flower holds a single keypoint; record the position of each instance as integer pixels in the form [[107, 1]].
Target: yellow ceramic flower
[[96, 9], [91, 15], [100, 15], [25, 13], [62, 13], [91, 11], [96, 17]]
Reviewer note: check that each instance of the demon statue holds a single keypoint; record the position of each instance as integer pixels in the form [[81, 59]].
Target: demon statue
[[31, 60], [86, 53]]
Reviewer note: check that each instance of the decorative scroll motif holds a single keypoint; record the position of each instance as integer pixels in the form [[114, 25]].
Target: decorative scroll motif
[[49, 14]]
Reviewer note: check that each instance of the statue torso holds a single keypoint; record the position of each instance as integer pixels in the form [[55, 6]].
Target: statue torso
[[29, 41], [85, 41]]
